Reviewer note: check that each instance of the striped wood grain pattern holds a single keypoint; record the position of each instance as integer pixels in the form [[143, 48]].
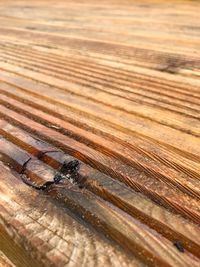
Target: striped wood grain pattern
[[116, 85]]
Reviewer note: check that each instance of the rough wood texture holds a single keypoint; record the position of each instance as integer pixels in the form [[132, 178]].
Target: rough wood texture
[[47, 233], [4, 261], [116, 86]]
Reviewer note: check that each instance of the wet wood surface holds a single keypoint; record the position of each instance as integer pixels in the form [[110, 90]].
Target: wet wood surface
[[99, 133]]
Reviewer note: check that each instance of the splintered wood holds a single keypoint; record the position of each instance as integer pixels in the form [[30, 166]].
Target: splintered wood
[[99, 133]]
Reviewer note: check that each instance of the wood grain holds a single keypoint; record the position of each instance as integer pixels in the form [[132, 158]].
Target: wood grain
[[4, 261], [116, 86], [38, 225]]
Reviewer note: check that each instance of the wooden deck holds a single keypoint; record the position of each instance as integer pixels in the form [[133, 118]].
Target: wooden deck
[[99, 133]]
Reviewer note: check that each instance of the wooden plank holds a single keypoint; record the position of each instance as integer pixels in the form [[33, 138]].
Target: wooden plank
[[112, 166], [116, 193], [149, 129], [120, 85], [120, 100], [186, 184], [113, 88], [36, 224], [4, 261], [177, 161], [121, 227]]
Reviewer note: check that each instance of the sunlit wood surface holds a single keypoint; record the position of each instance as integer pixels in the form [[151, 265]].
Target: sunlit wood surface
[[116, 86]]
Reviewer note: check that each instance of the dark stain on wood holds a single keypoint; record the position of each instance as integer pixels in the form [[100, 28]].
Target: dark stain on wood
[[68, 170], [179, 246]]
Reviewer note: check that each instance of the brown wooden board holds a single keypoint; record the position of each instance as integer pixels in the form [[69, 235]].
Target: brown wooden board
[[99, 133]]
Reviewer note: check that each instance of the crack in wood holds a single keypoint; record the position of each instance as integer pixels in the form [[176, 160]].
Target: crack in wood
[[24, 165], [68, 171]]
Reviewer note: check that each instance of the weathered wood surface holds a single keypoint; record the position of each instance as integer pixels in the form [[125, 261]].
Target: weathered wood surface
[[115, 85], [46, 232], [4, 260]]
